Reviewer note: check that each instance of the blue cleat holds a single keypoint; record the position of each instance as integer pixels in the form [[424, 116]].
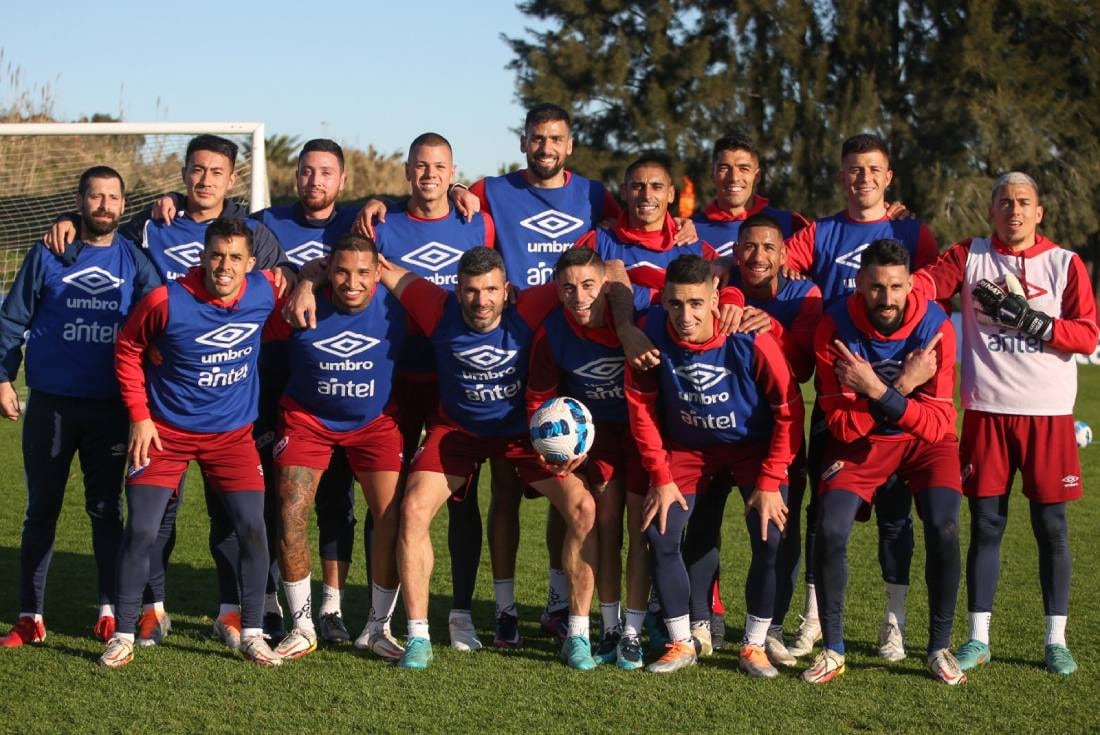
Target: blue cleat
[[1059, 660], [630, 655], [607, 651], [972, 654], [576, 652], [418, 654]]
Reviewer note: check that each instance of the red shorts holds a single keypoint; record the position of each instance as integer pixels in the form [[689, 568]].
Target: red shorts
[[306, 442], [693, 468], [863, 466], [454, 451], [614, 456], [228, 460], [1042, 448], [417, 401]]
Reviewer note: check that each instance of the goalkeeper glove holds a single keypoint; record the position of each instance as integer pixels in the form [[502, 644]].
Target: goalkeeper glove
[[1011, 310]]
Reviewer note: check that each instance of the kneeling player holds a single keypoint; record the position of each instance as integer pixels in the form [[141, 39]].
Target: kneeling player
[[885, 415]]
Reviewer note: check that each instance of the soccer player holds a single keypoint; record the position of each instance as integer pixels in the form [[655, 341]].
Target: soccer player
[[714, 403], [186, 362], [341, 373], [886, 416], [1019, 384], [828, 251], [72, 306]]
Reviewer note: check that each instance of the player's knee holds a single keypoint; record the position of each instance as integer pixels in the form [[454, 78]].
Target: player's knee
[[580, 512], [416, 512], [103, 509]]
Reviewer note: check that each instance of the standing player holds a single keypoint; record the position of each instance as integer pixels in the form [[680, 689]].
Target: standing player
[[72, 307], [882, 420], [186, 361], [727, 403], [1019, 384]]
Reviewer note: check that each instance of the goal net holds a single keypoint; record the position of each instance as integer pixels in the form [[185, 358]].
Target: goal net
[[42, 163]]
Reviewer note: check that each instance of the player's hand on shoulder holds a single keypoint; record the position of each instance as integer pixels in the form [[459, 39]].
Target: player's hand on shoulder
[[897, 210], [466, 202], [163, 209], [657, 502], [640, 352], [685, 231], [373, 211], [61, 233], [791, 274], [301, 306]]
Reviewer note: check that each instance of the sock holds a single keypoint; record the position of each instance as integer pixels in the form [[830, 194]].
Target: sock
[[247, 633], [610, 614], [271, 604], [811, 603], [679, 629], [382, 603], [578, 625], [635, 619], [224, 609], [466, 615], [756, 630], [557, 596], [1056, 630], [299, 600], [419, 629], [125, 636], [107, 611], [158, 607], [979, 626], [330, 600], [505, 592], [37, 617], [895, 604]]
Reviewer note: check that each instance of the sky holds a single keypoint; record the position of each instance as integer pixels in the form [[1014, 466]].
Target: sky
[[362, 73]]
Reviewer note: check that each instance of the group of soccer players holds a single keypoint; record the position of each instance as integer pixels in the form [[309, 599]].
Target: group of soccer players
[[300, 349]]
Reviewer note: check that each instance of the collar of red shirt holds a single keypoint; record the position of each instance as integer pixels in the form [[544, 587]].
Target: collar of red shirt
[[714, 214], [659, 240]]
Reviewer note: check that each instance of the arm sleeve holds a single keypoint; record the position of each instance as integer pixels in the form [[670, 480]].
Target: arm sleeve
[[800, 249], [535, 304], [543, 374], [641, 404], [142, 326], [490, 230], [775, 380], [423, 302], [798, 222], [847, 415], [1076, 330], [18, 311], [726, 296], [798, 341], [943, 278], [587, 240], [265, 246], [930, 410], [928, 250]]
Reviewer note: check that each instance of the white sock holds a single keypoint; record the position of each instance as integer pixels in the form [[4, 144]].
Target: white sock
[[979, 626], [247, 633], [811, 603], [1056, 630], [382, 603], [461, 615], [895, 604], [125, 636], [330, 600], [299, 600], [37, 617], [107, 611], [271, 604], [419, 629], [158, 607], [505, 592], [635, 619], [557, 595], [756, 630], [224, 609], [679, 629], [611, 615], [578, 625]]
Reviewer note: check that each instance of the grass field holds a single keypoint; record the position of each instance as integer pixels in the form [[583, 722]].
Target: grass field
[[192, 684]]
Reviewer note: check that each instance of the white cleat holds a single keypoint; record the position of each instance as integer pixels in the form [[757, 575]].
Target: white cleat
[[808, 633], [891, 645], [463, 634], [777, 649]]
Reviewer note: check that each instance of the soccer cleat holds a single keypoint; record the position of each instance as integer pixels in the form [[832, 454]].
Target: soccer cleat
[[508, 632], [463, 634], [754, 662], [104, 628], [629, 653], [891, 646], [827, 666], [1059, 660], [777, 649], [255, 649], [556, 623], [717, 631], [296, 644], [701, 638], [945, 667], [26, 630], [273, 627], [576, 652], [152, 628], [972, 654], [678, 655], [333, 629], [418, 654], [383, 645], [808, 633], [607, 651], [656, 630], [119, 653], [227, 629]]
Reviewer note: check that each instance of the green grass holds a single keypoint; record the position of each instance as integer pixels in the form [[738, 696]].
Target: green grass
[[192, 684]]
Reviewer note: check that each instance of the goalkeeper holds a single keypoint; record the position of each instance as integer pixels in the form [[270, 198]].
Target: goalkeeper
[[1027, 307]]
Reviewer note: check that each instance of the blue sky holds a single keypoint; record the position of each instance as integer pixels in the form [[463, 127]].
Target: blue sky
[[363, 73]]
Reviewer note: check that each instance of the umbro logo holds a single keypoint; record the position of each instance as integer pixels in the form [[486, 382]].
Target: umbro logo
[[306, 252], [1030, 289], [1071, 480], [346, 344], [644, 264], [702, 376], [93, 280], [888, 370], [552, 223], [852, 259], [432, 256], [228, 335], [725, 249], [605, 368], [186, 255], [485, 357]]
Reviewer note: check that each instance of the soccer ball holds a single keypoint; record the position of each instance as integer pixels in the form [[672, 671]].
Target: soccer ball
[[561, 430], [1083, 433]]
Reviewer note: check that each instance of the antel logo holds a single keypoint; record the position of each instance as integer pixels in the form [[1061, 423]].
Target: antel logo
[[186, 255], [552, 223], [605, 368], [346, 344], [432, 256], [93, 280], [702, 376], [485, 357], [306, 252], [228, 335]]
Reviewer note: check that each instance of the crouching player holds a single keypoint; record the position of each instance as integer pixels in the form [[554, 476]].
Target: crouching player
[[186, 363], [730, 404], [338, 395], [886, 379]]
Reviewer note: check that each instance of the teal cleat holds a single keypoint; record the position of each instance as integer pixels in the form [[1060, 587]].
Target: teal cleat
[[1059, 660], [607, 651], [576, 652], [655, 629], [418, 654], [972, 654], [630, 655]]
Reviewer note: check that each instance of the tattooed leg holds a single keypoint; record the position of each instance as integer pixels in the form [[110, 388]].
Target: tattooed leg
[[297, 487]]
